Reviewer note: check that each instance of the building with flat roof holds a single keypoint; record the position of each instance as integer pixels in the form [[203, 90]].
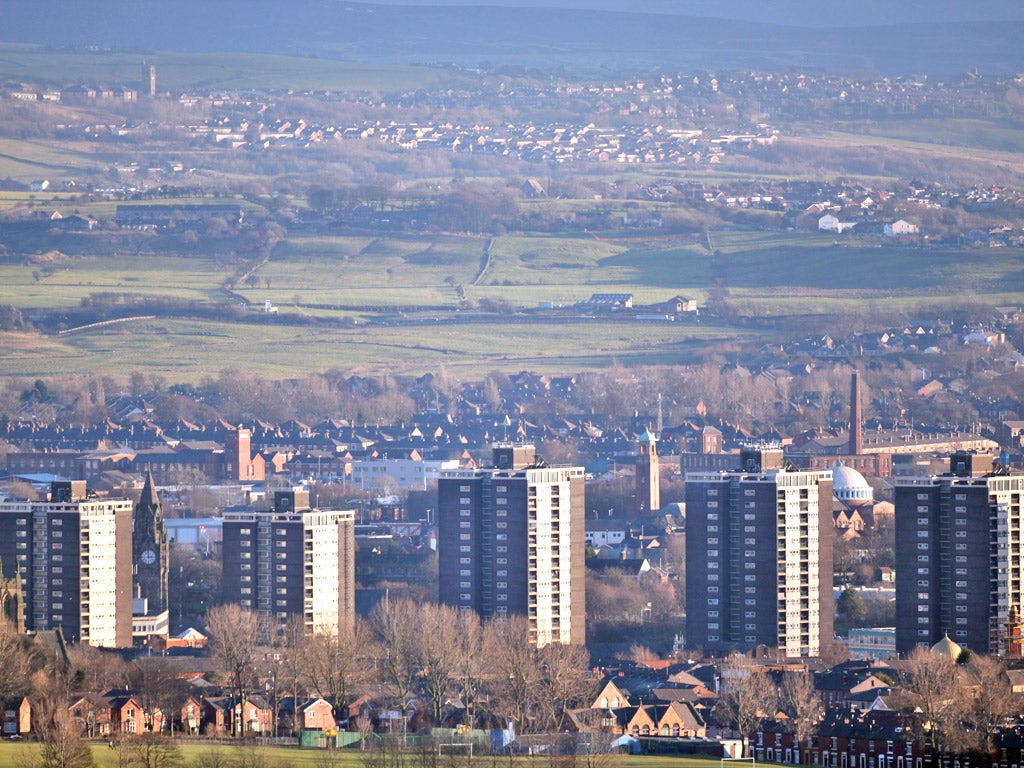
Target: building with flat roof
[[958, 543], [759, 557], [511, 541], [292, 561], [73, 554]]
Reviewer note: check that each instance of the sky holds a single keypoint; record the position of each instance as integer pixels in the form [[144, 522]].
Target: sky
[[804, 13]]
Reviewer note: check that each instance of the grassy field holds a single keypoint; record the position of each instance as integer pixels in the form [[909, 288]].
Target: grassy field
[[407, 304], [14, 755]]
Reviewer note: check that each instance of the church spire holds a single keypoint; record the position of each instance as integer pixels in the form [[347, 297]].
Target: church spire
[[148, 500]]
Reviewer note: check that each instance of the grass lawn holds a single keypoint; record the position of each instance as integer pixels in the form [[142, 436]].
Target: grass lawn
[[197, 755]]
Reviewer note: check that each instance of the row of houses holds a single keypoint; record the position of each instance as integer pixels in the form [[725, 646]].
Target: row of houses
[[118, 713]]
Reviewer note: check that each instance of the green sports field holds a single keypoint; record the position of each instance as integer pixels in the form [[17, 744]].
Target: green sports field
[[198, 755]]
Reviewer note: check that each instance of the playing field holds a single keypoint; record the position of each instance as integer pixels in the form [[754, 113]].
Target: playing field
[[18, 755]]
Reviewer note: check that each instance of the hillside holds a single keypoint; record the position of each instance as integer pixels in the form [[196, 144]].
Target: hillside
[[542, 38]]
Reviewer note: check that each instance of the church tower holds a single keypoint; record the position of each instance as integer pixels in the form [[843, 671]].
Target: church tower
[[151, 555], [648, 475]]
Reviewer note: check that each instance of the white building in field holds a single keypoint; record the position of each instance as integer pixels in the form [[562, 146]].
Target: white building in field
[[900, 227], [831, 223]]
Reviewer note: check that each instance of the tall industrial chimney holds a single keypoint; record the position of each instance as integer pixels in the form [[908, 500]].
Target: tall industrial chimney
[[856, 432]]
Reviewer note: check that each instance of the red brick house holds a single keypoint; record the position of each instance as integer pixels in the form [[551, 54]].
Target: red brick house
[[16, 717]]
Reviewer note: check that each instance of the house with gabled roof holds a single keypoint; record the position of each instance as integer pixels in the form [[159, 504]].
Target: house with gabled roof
[[681, 720], [612, 696]]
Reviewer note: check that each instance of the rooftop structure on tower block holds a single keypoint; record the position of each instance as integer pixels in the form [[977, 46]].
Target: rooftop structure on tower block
[[511, 542], [73, 554], [759, 557], [958, 540]]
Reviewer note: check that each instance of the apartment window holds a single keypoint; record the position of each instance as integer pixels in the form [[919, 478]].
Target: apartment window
[[961, 545], [465, 548], [465, 524], [465, 537], [465, 561], [502, 561], [712, 505], [922, 545], [713, 614], [466, 584]]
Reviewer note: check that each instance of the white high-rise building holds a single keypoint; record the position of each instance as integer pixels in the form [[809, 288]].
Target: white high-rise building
[[759, 557], [73, 554], [511, 541], [958, 546], [292, 561]]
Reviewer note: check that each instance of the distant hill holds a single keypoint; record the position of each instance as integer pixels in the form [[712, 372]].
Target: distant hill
[[546, 38]]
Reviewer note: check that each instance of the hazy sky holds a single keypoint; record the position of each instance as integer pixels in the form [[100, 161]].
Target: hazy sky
[[809, 13]]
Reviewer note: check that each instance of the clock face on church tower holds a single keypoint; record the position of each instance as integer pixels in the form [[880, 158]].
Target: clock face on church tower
[[148, 557]]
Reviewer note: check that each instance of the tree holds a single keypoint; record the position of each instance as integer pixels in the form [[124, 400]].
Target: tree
[[394, 624], [158, 688], [934, 680], [993, 701], [439, 653], [566, 681], [852, 605], [62, 744], [235, 633], [803, 705], [747, 696], [150, 750], [516, 670], [16, 662], [333, 663]]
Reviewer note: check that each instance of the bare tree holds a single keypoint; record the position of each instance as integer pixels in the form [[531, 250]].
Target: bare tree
[[16, 662], [439, 652], [334, 662], [158, 688], [748, 695], [933, 679], [473, 662], [993, 701], [62, 744], [516, 670], [566, 681], [235, 634], [150, 750], [803, 704], [395, 626]]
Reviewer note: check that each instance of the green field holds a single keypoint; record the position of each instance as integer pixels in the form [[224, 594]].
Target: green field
[[197, 755], [409, 304]]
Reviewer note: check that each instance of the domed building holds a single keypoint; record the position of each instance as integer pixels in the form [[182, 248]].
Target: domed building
[[850, 487], [947, 647]]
